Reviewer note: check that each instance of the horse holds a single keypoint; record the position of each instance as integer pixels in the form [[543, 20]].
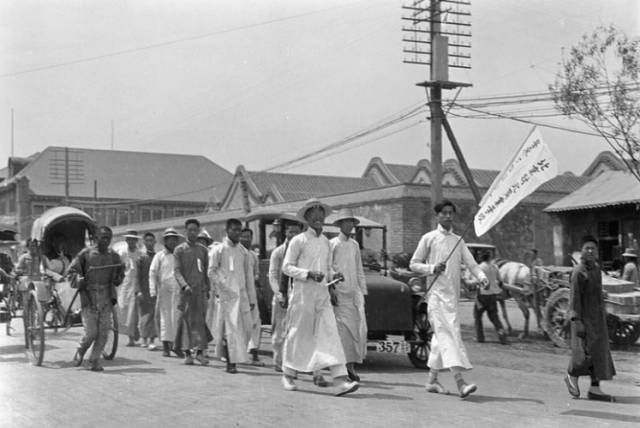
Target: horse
[[515, 280]]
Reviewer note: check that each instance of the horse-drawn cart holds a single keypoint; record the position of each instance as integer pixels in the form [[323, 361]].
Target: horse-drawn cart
[[621, 299]]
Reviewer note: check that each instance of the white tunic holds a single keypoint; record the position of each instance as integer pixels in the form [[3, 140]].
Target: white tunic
[[447, 348], [127, 291], [312, 341], [163, 283], [350, 314], [230, 270]]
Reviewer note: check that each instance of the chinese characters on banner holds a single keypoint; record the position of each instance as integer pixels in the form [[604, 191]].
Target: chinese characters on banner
[[532, 165]]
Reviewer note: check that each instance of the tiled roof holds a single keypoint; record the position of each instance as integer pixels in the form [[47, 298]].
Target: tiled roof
[[608, 189], [127, 175], [404, 173], [300, 186]]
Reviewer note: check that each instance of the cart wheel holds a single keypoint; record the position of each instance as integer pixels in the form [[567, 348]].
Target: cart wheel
[[419, 354], [34, 328], [111, 346], [556, 318], [625, 332]]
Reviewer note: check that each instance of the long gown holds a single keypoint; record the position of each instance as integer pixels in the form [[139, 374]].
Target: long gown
[[127, 293], [163, 285]]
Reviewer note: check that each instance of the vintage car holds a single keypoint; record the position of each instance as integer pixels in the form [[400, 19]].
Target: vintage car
[[396, 317]]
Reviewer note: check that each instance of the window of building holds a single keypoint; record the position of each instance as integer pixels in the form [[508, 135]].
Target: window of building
[[110, 217], [12, 205], [145, 214], [157, 214], [123, 216], [38, 209], [608, 239]]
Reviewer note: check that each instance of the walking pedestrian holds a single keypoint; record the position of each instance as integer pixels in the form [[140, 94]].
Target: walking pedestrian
[[312, 341], [164, 286], [205, 239], [439, 255], [233, 282], [487, 300], [191, 266], [348, 296], [246, 239], [280, 285], [95, 271], [146, 302], [590, 355], [127, 301]]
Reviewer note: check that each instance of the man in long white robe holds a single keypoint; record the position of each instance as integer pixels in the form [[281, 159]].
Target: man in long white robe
[[127, 302], [349, 294], [439, 255], [312, 341], [232, 276], [163, 284], [280, 287]]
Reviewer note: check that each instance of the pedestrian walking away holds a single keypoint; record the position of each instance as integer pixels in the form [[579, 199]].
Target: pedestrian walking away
[[164, 286], [127, 301], [590, 355], [191, 266], [487, 300], [146, 302], [348, 295], [246, 239], [439, 255], [95, 271], [312, 341], [280, 285], [233, 282]]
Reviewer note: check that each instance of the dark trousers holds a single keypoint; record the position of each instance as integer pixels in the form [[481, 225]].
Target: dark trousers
[[488, 303]]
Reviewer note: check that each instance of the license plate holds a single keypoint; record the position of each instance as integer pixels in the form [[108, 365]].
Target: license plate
[[393, 347]]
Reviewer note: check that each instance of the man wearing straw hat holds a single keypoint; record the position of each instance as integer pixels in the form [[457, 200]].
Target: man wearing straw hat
[[163, 284], [349, 295], [630, 270], [127, 301], [312, 341], [439, 255]]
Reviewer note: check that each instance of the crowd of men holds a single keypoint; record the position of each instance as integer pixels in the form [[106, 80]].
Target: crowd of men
[[200, 293]]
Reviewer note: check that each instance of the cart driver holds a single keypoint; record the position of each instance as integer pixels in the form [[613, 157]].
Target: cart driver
[[96, 271]]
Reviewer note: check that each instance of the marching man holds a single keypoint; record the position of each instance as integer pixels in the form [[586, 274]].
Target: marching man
[[312, 341], [348, 296], [439, 255]]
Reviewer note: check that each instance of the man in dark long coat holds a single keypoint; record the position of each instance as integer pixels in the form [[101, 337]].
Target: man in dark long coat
[[590, 354], [146, 303]]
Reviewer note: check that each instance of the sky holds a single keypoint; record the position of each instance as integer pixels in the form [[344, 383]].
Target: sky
[[260, 83]]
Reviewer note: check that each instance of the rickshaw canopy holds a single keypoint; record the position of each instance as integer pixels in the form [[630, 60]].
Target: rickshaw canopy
[[70, 223]]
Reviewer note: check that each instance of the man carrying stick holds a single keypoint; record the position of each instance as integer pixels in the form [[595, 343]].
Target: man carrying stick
[[439, 255]]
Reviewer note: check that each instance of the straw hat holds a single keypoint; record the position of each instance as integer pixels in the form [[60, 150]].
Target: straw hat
[[310, 204], [133, 234], [205, 235], [345, 214], [169, 232], [630, 252]]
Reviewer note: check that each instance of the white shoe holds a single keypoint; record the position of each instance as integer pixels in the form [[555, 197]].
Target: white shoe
[[288, 384], [346, 388]]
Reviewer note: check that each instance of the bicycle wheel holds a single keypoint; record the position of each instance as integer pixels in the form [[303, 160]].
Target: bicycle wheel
[[110, 348], [34, 328]]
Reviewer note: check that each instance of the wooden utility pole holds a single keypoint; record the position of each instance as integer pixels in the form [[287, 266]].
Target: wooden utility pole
[[66, 175], [435, 107]]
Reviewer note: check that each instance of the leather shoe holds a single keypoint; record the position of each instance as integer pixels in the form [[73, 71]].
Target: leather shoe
[[601, 397], [231, 368], [188, 360], [202, 359]]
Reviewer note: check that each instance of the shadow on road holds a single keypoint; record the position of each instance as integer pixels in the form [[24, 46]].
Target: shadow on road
[[602, 415], [149, 370], [12, 349], [389, 385], [627, 400], [379, 396], [480, 399]]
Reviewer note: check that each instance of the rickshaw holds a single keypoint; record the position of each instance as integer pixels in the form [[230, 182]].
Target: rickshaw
[[396, 316], [50, 303]]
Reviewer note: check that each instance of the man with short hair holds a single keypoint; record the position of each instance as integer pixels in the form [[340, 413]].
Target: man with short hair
[[163, 284], [246, 239], [590, 355], [127, 300], [487, 300], [348, 296], [94, 271], [191, 266], [440, 254], [312, 342], [280, 284], [630, 271], [146, 303]]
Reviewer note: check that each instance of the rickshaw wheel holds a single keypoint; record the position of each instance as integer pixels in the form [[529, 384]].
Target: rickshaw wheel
[[111, 346], [556, 318], [34, 328], [624, 332], [419, 354]]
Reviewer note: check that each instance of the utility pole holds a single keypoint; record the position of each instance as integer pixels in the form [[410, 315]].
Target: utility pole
[[66, 175], [430, 21], [12, 132]]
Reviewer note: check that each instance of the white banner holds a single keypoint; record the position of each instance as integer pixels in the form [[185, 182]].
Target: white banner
[[532, 165]]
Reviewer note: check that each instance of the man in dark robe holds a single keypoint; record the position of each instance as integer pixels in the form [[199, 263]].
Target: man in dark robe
[[191, 266], [146, 303], [590, 354]]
